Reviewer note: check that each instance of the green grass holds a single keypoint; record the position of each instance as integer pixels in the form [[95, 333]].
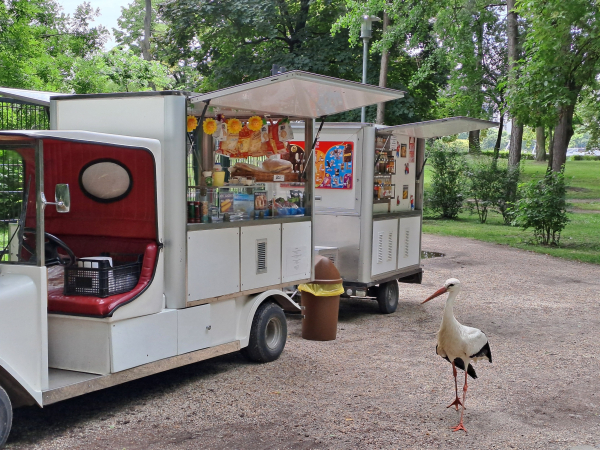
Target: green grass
[[588, 206], [580, 240], [581, 177]]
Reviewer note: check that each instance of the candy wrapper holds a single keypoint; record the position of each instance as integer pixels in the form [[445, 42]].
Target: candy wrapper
[[264, 133], [221, 133], [284, 129]]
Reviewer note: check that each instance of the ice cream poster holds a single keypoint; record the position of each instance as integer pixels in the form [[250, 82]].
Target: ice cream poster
[[334, 165]]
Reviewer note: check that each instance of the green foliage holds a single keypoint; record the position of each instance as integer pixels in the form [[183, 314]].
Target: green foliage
[[446, 193], [561, 58], [543, 207], [485, 185], [584, 158], [504, 155], [39, 44]]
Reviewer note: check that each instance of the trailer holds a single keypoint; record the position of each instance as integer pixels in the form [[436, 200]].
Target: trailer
[[128, 283], [369, 201]]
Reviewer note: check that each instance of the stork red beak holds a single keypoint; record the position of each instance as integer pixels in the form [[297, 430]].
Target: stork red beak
[[435, 294]]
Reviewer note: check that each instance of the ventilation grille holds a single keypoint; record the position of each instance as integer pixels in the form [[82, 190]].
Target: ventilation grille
[[406, 241], [390, 252], [261, 256], [380, 247]]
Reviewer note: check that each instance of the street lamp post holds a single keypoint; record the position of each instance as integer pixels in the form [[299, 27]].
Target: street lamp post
[[366, 32]]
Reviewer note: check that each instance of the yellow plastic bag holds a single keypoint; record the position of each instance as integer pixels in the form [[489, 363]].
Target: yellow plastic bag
[[322, 290]]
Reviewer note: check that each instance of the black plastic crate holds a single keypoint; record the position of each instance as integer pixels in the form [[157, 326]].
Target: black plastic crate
[[104, 281]]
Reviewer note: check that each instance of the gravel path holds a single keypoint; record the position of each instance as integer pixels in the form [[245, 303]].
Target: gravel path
[[380, 385]]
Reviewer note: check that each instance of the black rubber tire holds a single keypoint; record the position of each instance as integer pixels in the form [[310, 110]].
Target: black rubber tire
[[387, 297], [6, 415], [267, 335]]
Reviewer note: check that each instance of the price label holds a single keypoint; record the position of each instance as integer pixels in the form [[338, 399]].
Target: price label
[[278, 177]]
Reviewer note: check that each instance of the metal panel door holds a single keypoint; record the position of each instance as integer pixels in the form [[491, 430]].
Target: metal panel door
[[385, 242], [261, 256], [213, 267], [408, 241]]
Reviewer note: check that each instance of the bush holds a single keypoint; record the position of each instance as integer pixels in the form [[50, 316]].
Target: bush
[[504, 155], [584, 158], [446, 194], [543, 207], [493, 185]]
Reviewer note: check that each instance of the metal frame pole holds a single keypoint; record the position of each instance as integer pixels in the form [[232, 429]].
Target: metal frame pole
[[40, 206], [364, 74]]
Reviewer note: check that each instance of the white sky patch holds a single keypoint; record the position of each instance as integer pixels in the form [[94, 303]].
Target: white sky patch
[[110, 11]]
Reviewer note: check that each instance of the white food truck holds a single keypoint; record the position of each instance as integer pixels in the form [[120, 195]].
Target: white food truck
[[128, 283], [369, 201]]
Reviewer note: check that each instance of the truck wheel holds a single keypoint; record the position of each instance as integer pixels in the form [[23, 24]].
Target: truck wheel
[[5, 416], [267, 335], [387, 297]]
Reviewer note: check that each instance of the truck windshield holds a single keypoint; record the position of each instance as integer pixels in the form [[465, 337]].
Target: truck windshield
[[17, 204]]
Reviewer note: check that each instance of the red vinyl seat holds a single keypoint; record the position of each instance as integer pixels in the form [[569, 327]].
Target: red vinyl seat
[[102, 307]]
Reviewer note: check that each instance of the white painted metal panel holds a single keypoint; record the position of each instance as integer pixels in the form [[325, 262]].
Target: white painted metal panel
[[295, 247], [193, 329], [213, 263], [258, 270], [143, 340], [161, 117], [79, 343], [339, 201], [223, 316], [385, 244], [24, 325], [409, 238]]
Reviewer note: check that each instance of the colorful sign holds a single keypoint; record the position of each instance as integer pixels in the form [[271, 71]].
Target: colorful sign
[[334, 163]]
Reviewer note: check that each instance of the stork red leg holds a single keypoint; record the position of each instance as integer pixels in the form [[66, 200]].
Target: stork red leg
[[460, 425], [456, 401]]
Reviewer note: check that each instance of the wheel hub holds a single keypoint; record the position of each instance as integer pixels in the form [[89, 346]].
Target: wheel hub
[[273, 333]]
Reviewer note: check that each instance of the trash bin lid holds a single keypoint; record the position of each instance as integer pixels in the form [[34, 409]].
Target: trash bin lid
[[325, 271]]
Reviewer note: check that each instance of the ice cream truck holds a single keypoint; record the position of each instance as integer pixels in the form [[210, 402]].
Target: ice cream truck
[[369, 201], [140, 264]]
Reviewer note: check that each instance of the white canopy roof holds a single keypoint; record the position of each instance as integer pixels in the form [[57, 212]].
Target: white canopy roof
[[295, 94], [439, 127], [36, 97]]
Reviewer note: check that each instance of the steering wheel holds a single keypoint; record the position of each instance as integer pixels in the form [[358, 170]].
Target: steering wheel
[[51, 244]]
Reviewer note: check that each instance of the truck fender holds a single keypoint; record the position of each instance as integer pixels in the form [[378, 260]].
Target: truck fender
[[253, 302], [19, 393]]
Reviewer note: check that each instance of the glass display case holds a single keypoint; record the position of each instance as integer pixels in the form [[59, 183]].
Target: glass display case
[[235, 203]]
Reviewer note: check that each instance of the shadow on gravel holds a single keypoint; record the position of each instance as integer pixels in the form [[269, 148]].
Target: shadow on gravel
[[65, 417]]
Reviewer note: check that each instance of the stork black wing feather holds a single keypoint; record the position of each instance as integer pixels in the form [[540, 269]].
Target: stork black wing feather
[[461, 365], [484, 352]]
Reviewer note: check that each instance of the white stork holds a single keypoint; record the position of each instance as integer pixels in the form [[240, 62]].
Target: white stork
[[459, 345]]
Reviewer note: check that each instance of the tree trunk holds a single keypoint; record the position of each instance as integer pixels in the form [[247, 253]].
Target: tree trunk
[[512, 31], [383, 71], [540, 144], [147, 23], [562, 135], [550, 147], [474, 143], [516, 142], [499, 138]]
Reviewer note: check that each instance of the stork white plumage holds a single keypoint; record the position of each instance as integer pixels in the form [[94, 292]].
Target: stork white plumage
[[459, 344]]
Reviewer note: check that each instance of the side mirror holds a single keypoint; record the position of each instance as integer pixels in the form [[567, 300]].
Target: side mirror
[[62, 198]]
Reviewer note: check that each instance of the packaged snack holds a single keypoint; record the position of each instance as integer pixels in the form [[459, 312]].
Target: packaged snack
[[264, 133], [275, 165], [285, 132]]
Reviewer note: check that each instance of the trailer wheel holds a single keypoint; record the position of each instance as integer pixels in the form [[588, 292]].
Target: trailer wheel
[[5, 417], [387, 297], [267, 335]]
